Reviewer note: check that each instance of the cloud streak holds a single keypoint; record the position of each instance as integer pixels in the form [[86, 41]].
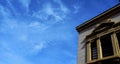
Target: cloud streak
[[38, 33], [25, 4], [4, 12], [51, 13], [9, 56]]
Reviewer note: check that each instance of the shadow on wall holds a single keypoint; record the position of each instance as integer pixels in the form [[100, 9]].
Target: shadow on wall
[[84, 42]]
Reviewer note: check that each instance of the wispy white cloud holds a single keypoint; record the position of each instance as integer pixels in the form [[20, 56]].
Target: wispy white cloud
[[25, 4], [50, 13], [53, 12], [62, 6], [67, 53], [13, 58], [11, 7], [37, 24], [23, 33], [29, 36], [76, 9], [48, 9], [23, 37], [26, 38], [38, 47], [9, 56], [4, 12]]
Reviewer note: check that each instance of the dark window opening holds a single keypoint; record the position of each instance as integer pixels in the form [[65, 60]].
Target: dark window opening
[[94, 50], [106, 43], [118, 36]]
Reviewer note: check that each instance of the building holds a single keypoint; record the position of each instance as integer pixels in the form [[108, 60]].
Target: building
[[99, 38]]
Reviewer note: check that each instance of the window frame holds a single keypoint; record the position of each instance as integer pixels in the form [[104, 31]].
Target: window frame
[[113, 31], [117, 43]]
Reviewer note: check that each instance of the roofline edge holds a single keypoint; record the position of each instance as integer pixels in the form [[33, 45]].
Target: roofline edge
[[81, 26]]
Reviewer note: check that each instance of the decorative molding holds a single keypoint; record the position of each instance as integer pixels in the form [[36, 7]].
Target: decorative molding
[[114, 28], [100, 29], [112, 11]]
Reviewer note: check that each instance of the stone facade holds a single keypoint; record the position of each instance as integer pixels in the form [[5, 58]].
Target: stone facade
[[87, 28]]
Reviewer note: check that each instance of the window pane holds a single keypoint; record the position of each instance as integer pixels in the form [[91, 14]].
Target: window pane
[[94, 50], [118, 36], [107, 49]]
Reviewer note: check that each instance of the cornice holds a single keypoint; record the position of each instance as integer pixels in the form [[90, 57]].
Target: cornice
[[115, 9]]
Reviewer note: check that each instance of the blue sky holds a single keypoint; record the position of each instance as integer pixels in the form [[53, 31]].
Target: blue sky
[[43, 31]]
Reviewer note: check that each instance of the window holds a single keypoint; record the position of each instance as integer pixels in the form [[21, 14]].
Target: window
[[106, 44], [103, 45], [94, 50]]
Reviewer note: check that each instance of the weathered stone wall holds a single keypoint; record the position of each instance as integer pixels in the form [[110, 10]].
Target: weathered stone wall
[[82, 45], [82, 41]]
